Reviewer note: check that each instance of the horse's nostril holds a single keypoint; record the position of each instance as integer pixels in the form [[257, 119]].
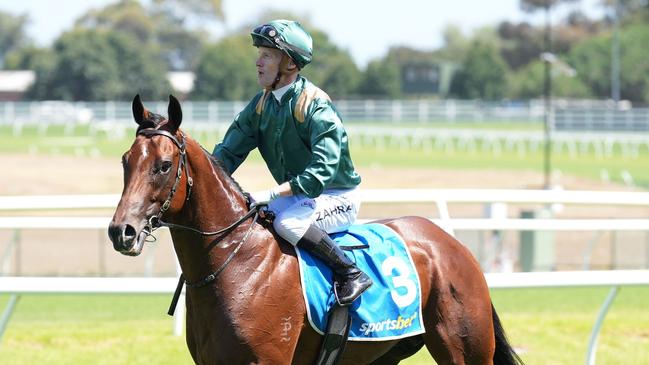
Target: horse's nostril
[[129, 232]]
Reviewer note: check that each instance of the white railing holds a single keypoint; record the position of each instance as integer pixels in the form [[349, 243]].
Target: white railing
[[587, 197], [440, 197], [60, 112], [597, 115]]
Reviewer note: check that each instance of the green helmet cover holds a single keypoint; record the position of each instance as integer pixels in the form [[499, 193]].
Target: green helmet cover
[[288, 36]]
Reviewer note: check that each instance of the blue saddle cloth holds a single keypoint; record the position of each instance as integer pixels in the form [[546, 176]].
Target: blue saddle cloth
[[390, 308]]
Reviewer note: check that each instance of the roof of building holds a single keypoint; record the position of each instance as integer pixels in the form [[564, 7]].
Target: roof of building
[[20, 80], [16, 80], [181, 81]]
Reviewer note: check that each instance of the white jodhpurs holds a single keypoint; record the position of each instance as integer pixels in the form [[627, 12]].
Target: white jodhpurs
[[333, 211]]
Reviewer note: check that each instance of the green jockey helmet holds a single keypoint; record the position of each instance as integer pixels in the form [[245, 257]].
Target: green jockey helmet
[[288, 36]]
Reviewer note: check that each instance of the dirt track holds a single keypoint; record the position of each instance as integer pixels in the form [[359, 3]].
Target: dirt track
[[33, 174]]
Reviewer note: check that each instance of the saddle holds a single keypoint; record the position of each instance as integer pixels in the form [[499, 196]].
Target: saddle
[[390, 309]]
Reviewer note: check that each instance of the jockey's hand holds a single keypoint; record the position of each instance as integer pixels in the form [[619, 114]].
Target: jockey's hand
[[263, 197]]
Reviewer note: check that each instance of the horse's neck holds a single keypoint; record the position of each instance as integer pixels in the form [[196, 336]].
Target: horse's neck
[[215, 201], [244, 257]]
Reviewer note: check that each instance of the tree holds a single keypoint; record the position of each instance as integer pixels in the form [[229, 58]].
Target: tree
[[161, 25], [527, 83], [180, 30], [12, 34], [382, 78], [332, 68], [28, 58], [40, 60], [630, 11], [482, 75], [127, 16], [456, 45], [340, 76], [226, 70], [522, 43], [634, 64], [592, 61], [531, 6], [98, 65], [210, 10]]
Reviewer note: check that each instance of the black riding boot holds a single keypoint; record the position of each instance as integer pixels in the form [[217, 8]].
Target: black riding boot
[[352, 281]]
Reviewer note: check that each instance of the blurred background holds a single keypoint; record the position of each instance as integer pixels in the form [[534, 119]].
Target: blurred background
[[472, 106]]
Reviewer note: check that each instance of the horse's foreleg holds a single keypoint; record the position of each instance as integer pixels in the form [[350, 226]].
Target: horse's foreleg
[[189, 335]]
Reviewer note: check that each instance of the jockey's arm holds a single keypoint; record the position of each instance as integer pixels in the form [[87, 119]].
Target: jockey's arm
[[267, 196], [284, 189]]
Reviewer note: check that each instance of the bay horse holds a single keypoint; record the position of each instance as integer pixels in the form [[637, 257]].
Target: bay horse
[[244, 299]]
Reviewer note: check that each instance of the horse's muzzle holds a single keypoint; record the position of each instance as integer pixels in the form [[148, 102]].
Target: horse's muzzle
[[126, 239]]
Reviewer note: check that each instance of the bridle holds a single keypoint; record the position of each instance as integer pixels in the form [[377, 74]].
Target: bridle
[[155, 221]]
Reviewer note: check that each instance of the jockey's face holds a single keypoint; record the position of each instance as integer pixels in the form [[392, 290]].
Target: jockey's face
[[268, 61]]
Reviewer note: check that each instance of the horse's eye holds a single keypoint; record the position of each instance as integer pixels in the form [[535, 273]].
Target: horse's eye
[[165, 167]]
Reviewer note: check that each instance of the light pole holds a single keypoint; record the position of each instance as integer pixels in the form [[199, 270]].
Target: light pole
[[615, 56], [547, 94]]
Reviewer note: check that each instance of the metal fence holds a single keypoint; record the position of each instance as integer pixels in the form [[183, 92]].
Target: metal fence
[[592, 115], [602, 119]]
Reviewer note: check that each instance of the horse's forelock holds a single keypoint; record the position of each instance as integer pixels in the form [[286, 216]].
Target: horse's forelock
[[151, 121], [145, 125]]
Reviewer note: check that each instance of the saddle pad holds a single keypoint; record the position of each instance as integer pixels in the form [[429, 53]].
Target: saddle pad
[[390, 308]]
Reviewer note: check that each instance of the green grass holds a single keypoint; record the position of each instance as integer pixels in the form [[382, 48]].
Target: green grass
[[548, 326], [98, 330], [587, 165]]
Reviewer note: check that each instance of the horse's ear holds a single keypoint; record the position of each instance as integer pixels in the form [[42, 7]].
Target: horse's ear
[[138, 109], [175, 112]]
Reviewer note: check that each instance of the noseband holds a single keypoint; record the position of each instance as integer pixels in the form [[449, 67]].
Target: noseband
[[156, 221]]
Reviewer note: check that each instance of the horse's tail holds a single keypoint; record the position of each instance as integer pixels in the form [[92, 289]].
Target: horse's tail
[[504, 353]]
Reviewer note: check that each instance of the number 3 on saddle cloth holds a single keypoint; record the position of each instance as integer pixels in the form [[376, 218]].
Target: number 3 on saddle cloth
[[390, 308]]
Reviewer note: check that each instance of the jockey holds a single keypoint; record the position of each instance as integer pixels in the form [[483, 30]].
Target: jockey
[[301, 137]]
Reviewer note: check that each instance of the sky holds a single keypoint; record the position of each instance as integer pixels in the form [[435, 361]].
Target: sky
[[367, 29]]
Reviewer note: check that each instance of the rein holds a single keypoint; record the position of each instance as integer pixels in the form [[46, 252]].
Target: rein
[[156, 222]]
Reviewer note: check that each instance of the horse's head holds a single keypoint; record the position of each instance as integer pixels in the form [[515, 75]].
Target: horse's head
[[150, 177]]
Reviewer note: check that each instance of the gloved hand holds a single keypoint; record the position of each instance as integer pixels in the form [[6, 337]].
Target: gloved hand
[[263, 197]]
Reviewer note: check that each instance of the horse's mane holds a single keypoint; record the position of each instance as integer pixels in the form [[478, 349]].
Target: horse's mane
[[219, 165]]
